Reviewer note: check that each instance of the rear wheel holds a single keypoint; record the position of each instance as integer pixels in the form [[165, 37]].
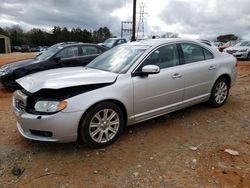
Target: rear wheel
[[248, 56], [102, 125], [219, 93]]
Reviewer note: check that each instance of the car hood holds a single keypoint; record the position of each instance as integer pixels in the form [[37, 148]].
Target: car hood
[[19, 64], [65, 77]]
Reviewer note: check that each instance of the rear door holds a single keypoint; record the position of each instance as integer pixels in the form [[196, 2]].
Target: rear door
[[198, 71], [158, 93]]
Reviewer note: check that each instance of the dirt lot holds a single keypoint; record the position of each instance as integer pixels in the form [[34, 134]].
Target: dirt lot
[[155, 153]]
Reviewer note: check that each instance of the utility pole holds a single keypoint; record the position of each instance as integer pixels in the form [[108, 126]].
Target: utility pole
[[134, 21]]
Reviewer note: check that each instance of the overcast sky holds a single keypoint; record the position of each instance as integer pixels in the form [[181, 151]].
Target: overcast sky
[[189, 18]]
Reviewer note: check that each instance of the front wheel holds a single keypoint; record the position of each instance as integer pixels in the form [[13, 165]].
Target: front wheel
[[101, 125], [219, 93]]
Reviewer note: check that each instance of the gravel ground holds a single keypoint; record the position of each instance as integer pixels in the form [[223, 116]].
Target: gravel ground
[[161, 152]]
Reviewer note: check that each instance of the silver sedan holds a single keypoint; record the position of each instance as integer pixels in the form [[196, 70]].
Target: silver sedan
[[131, 83]]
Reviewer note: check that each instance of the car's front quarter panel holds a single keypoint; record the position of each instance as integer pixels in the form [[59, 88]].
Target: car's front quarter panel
[[121, 90]]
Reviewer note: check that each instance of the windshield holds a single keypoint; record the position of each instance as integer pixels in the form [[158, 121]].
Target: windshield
[[245, 43], [109, 42], [119, 59], [48, 53]]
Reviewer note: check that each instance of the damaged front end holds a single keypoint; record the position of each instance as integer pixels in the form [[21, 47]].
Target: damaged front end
[[49, 101]]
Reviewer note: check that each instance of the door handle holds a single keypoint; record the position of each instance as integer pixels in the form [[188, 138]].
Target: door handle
[[211, 68], [176, 75]]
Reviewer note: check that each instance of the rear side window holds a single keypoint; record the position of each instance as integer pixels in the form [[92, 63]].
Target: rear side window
[[192, 53], [89, 50], [208, 55], [164, 57]]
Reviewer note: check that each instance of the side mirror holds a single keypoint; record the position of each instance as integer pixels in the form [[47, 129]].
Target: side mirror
[[150, 69], [57, 59]]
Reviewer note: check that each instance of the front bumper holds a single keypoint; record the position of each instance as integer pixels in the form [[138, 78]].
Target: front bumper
[[59, 127]]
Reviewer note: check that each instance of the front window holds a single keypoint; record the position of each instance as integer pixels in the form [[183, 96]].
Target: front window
[[69, 52], [245, 43], [118, 60], [164, 57]]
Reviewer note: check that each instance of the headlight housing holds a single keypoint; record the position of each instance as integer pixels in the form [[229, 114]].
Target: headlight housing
[[244, 50], [50, 106]]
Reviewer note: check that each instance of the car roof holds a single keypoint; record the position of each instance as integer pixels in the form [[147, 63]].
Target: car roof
[[115, 38], [156, 42], [68, 44], [74, 43]]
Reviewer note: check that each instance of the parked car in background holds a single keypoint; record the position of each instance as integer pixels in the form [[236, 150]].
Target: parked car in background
[[227, 45], [128, 84], [61, 55], [240, 50], [16, 49], [25, 48], [38, 49], [112, 42], [209, 43], [217, 43]]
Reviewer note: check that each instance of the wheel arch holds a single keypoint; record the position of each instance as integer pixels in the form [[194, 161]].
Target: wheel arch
[[227, 77], [116, 102]]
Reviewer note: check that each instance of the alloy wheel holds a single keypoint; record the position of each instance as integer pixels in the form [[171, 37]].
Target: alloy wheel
[[104, 125], [221, 91]]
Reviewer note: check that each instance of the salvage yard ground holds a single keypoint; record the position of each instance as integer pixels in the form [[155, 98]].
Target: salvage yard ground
[[158, 153]]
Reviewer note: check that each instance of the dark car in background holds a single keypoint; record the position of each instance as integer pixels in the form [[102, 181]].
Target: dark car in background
[[39, 49], [25, 48], [59, 55], [112, 42]]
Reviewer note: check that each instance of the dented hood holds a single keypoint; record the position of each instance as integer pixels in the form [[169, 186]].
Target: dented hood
[[65, 77]]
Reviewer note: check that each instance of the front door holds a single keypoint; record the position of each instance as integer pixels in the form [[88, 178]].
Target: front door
[[159, 93]]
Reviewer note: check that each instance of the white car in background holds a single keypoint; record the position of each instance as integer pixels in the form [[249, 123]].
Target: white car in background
[[240, 50], [209, 43]]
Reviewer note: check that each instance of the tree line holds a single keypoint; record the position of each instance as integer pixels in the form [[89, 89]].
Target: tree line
[[38, 37]]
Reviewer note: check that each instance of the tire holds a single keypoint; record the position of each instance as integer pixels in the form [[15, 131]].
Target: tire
[[219, 93], [98, 130], [248, 56]]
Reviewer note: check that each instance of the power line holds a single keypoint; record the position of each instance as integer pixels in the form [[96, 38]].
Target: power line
[[140, 27]]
